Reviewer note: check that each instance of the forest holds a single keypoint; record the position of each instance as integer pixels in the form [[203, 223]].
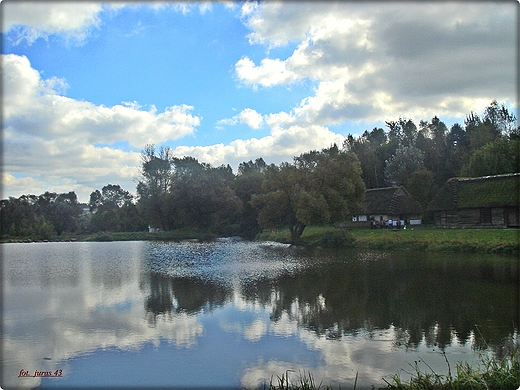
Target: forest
[[319, 187]]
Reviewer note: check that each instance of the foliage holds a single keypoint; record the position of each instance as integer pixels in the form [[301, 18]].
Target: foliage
[[247, 183], [445, 152], [111, 197], [405, 161], [201, 197], [498, 116], [40, 217], [421, 186], [184, 193], [497, 157], [319, 187], [113, 209], [372, 150], [153, 186]]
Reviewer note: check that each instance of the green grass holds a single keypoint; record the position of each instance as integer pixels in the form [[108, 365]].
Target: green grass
[[490, 374], [452, 240], [420, 238]]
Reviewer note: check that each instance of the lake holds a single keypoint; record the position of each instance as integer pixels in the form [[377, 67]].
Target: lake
[[234, 314]]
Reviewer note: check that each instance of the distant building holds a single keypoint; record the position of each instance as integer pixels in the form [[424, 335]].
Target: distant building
[[489, 201], [390, 203]]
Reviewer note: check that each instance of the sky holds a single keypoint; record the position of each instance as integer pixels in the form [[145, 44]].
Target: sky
[[87, 85]]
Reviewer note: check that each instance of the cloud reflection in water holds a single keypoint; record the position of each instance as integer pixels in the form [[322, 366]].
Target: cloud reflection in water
[[245, 312]]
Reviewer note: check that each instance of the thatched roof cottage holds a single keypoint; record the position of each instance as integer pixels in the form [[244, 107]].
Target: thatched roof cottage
[[390, 203], [489, 201]]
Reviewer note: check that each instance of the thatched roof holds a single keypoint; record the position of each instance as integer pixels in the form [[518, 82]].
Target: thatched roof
[[486, 191], [390, 200]]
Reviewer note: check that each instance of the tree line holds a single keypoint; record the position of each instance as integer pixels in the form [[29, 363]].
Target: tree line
[[423, 157], [317, 187]]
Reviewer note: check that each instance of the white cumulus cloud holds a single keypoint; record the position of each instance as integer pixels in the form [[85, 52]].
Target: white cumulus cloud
[[270, 72], [35, 19], [52, 136], [372, 62], [247, 116]]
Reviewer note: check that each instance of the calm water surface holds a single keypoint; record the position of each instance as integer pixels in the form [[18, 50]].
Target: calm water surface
[[236, 314]]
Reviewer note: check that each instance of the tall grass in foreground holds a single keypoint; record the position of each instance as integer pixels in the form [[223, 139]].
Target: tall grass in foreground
[[304, 382], [490, 374]]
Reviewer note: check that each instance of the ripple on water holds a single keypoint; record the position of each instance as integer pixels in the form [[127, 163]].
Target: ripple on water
[[225, 262]]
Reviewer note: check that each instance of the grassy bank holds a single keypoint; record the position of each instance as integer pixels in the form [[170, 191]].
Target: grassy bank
[[491, 373], [421, 238]]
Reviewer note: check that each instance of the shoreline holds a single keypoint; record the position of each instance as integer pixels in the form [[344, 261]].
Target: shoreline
[[419, 239], [427, 239]]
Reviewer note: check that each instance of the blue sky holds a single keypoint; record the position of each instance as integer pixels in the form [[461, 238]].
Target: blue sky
[[88, 85]]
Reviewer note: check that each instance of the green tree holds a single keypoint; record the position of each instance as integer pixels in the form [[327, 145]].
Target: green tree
[[129, 218], [45, 230], [114, 210], [95, 201], [400, 167], [457, 149], [115, 197], [421, 185], [372, 150], [154, 184], [65, 212], [499, 118], [432, 141], [498, 157], [248, 183], [402, 132], [319, 187], [479, 133], [18, 216], [60, 210], [201, 197]]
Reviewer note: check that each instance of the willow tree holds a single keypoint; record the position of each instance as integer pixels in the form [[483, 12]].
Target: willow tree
[[319, 187]]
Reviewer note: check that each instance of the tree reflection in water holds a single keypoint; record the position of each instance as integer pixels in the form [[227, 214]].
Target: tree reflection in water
[[437, 299], [246, 311], [176, 295]]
